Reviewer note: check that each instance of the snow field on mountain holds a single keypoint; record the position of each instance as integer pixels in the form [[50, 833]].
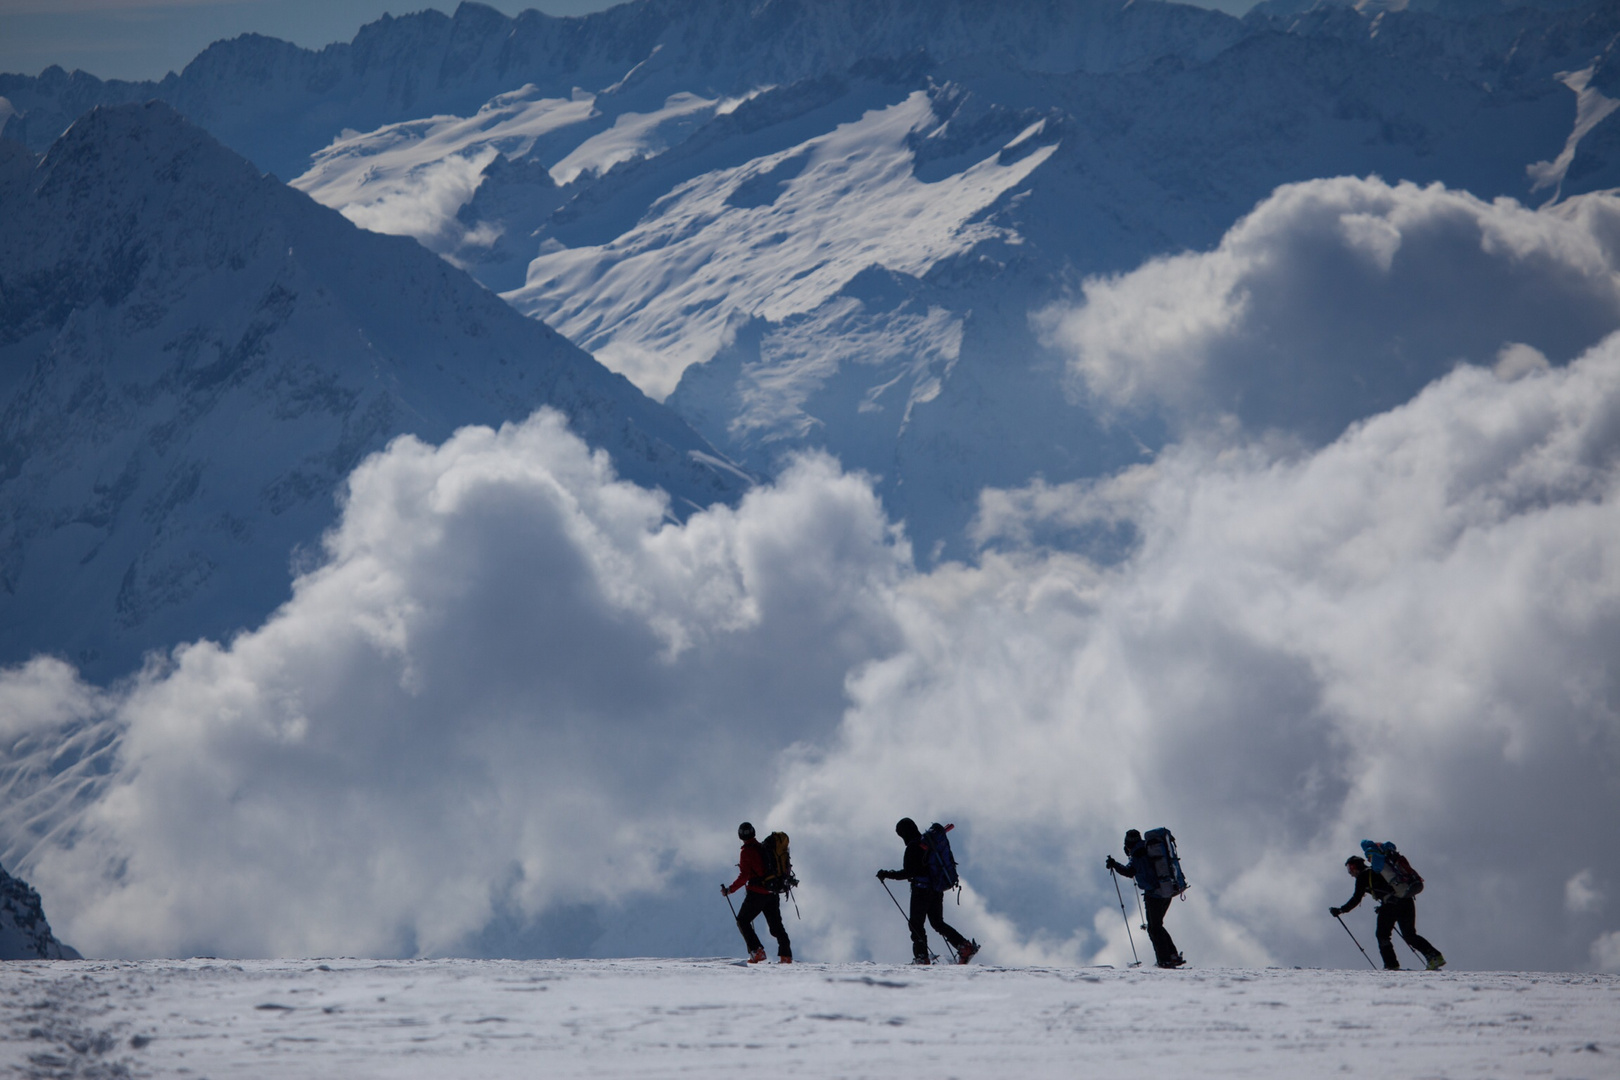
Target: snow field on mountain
[[409, 179], [663, 294], [412, 178], [631, 1018]]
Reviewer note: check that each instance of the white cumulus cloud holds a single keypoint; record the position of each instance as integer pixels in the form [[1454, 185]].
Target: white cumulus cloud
[[513, 682], [1339, 298]]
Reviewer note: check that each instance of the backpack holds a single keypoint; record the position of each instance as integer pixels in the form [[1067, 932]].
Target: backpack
[[1393, 867], [778, 876], [1159, 868], [942, 875]]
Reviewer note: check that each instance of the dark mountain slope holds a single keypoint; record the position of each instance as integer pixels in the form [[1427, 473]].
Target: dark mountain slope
[[192, 358]]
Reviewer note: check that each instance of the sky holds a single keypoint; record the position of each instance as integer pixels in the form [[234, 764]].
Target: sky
[[136, 39]]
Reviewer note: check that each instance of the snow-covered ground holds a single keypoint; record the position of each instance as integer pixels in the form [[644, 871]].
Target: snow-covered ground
[[622, 1018]]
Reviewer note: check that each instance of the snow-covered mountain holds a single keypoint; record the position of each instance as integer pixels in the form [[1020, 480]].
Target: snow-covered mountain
[[194, 356], [278, 103], [830, 224], [24, 932], [851, 260]]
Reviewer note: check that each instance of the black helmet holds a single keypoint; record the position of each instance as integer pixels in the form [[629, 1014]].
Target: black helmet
[[745, 831], [1355, 862], [907, 829], [1132, 838]]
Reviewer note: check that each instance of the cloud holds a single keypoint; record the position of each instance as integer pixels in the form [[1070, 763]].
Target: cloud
[[512, 682], [517, 696], [1407, 635], [1581, 893], [1606, 952], [1337, 299]]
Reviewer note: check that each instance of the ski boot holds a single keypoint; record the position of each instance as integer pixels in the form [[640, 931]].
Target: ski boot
[[757, 956], [967, 951]]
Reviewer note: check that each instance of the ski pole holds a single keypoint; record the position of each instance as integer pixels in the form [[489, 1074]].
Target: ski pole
[[1402, 935], [897, 906], [1358, 944], [730, 905], [1140, 909], [903, 914], [1126, 918]]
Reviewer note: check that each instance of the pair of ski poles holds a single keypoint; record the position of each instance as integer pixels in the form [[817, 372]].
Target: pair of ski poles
[[932, 956], [1398, 933], [1137, 960]]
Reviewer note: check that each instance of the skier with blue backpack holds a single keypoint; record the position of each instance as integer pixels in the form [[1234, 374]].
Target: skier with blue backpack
[[1394, 884], [931, 869], [1156, 868]]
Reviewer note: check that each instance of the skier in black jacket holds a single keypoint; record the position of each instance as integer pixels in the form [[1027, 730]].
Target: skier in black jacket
[[1392, 911], [1164, 949], [927, 904]]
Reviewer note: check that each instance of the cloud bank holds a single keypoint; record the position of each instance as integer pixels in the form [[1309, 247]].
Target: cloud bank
[[516, 691], [1337, 299]]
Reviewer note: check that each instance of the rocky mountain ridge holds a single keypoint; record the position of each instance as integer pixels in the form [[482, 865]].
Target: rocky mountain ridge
[[25, 934], [277, 103]]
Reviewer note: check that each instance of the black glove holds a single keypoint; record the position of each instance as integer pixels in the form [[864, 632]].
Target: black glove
[[725, 890], [1335, 912], [883, 875], [1112, 865]]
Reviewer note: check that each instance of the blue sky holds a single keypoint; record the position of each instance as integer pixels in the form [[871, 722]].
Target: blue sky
[[137, 39]]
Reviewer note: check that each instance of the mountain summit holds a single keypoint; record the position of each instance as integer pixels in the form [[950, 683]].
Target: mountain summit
[[193, 357]]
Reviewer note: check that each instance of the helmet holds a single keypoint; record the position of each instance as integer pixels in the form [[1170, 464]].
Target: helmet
[[1356, 863], [745, 831], [1132, 838], [907, 829]]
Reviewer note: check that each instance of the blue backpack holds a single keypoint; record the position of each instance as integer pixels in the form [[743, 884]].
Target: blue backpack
[[1158, 866], [1393, 867], [942, 875]]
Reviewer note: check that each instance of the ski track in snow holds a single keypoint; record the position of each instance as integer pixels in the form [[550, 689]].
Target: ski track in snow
[[628, 1018]]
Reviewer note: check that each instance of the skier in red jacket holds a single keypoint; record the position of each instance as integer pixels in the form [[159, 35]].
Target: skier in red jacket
[[750, 869]]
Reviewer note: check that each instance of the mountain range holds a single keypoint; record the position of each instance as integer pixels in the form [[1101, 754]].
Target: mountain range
[[798, 224]]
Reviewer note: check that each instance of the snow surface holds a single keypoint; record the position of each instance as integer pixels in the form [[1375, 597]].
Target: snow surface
[[625, 1018]]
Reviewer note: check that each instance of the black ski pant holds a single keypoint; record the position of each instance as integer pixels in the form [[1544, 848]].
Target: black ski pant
[[771, 904], [1164, 950], [1400, 912], [928, 906]]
